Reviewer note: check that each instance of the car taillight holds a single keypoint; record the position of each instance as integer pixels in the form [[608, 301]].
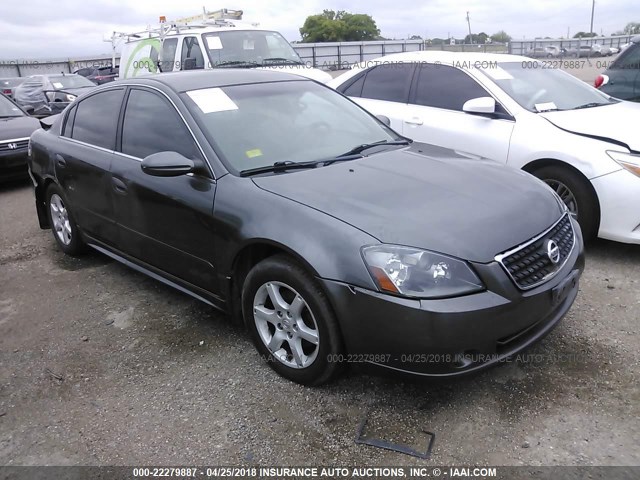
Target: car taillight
[[6, 91], [601, 80]]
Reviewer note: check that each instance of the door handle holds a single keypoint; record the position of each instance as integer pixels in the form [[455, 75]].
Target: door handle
[[119, 186], [414, 121], [60, 161]]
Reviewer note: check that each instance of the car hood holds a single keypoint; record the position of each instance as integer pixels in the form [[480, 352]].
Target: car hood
[[609, 122], [303, 71], [17, 127], [427, 197]]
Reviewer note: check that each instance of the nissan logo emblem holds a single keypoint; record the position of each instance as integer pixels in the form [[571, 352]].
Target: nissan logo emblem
[[12, 146], [553, 251]]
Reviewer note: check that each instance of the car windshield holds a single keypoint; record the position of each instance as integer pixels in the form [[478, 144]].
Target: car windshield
[[257, 125], [544, 89], [8, 109], [60, 82], [249, 48]]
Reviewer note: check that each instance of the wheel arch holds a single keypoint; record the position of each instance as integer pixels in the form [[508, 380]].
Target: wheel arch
[[41, 201], [534, 165], [248, 256]]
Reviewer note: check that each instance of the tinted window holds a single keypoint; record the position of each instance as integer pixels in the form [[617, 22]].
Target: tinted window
[[168, 55], [152, 125], [630, 58], [96, 119], [441, 86], [355, 89], [191, 49], [68, 124], [388, 82]]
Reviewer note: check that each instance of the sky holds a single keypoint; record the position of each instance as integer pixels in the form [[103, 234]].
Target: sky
[[40, 29]]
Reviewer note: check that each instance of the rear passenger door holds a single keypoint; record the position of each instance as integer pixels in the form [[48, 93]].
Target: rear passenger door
[[435, 114], [384, 90], [165, 222], [83, 162]]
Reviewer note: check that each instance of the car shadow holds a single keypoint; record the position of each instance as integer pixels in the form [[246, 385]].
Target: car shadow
[[14, 185], [612, 251]]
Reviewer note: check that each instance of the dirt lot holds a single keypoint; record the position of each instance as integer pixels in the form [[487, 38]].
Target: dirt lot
[[101, 365]]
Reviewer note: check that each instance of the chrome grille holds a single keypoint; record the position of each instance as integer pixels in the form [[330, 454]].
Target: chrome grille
[[14, 145], [531, 264]]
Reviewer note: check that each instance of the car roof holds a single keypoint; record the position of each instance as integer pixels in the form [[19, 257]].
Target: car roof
[[451, 57], [196, 80], [635, 39]]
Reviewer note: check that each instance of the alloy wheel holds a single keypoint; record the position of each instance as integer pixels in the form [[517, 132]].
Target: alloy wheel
[[60, 219], [565, 194], [286, 324]]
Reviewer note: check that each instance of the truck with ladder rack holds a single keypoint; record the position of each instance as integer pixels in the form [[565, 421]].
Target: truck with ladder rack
[[210, 40]]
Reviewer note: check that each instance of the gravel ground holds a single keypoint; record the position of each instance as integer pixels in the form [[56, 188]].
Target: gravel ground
[[100, 365]]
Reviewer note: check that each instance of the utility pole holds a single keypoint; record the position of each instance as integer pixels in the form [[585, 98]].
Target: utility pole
[[469, 24], [593, 7]]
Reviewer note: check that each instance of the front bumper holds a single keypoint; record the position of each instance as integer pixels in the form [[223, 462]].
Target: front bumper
[[619, 197], [13, 164], [455, 336]]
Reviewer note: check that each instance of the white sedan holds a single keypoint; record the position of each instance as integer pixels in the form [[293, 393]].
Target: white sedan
[[519, 112]]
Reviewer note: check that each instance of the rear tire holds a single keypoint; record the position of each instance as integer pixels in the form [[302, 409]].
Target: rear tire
[[63, 224], [577, 194], [291, 321]]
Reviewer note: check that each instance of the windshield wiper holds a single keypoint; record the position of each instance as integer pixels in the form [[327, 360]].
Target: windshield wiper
[[589, 105], [278, 167], [237, 63], [282, 60], [366, 146]]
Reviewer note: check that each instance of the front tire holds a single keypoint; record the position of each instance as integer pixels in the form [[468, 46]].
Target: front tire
[[63, 224], [291, 321], [577, 195]]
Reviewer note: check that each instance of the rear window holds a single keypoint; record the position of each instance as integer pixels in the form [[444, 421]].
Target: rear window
[[629, 59]]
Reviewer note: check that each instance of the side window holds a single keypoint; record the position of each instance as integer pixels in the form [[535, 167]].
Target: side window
[[446, 87], [68, 123], [168, 54], [191, 50], [96, 118], [355, 89], [389, 82], [631, 59], [152, 125]]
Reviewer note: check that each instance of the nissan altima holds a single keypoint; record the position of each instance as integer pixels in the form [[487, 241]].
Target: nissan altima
[[333, 238]]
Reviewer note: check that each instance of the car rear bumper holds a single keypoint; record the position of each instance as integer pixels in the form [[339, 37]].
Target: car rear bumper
[[619, 197], [451, 337]]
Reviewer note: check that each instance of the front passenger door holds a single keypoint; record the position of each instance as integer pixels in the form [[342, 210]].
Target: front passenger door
[[166, 222]]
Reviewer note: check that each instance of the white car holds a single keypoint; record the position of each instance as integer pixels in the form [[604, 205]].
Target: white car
[[580, 141]]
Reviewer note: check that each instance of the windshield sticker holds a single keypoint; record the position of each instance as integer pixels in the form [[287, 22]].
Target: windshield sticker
[[498, 73], [256, 152], [248, 44], [211, 100], [545, 107], [214, 43], [57, 85]]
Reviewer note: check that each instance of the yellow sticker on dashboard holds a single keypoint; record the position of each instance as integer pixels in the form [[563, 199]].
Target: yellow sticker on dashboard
[[256, 152]]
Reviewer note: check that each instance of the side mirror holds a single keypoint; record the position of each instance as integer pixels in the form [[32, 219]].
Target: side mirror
[[384, 119], [480, 106], [167, 164], [189, 63]]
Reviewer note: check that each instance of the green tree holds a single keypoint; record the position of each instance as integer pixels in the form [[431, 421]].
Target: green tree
[[632, 28], [340, 26], [479, 38], [584, 35], [415, 37], [501, 37]]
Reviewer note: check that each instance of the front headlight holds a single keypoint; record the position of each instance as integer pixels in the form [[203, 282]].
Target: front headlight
[[71, 98], [419, 273], [628, 161]]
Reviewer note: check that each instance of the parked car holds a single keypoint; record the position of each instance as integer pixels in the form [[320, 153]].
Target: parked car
[[614, 50], [272, 197], [568, 52], [99, 75], [8, 84], [15, 129], [585, 51], [622, 78], [600, 50], [580, 141], [550, 51], [44, 95]]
